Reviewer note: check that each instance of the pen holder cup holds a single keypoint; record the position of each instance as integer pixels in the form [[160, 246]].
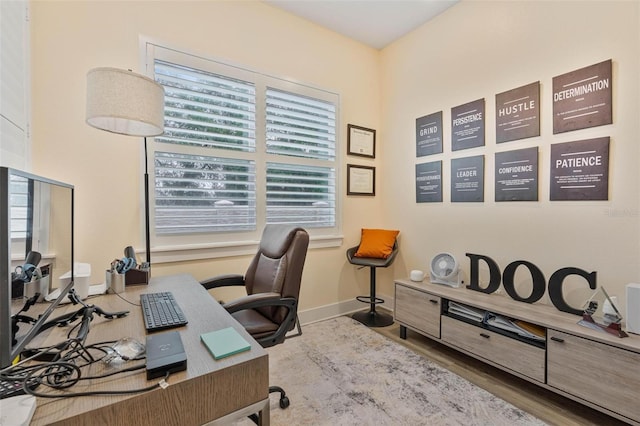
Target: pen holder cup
[[115, 282], [136, 276]]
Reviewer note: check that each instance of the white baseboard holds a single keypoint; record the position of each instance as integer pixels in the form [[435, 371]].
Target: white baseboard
[[345, 307]]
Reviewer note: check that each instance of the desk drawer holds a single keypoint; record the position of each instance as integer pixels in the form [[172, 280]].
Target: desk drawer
[[418, 309], [510, 353]]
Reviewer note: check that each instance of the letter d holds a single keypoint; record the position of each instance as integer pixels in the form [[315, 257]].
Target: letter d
[[494, 274]]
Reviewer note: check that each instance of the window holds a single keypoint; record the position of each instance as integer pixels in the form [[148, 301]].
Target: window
[[240, 150]]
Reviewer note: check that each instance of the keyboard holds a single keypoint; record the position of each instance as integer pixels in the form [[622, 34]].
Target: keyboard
[[9, 388], [161, 311]]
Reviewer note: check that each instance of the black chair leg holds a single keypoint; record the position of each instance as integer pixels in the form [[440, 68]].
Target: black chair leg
[[372, 318]]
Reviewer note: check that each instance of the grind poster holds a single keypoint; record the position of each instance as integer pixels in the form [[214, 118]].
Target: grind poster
[[467, 179], [467, 125], [516, 175], [518, 113], [580, 170], [429, 134], [582, 98], [429, 182]]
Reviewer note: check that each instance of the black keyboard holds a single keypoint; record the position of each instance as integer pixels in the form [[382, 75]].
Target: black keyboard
[[9, 388], [161, 311]]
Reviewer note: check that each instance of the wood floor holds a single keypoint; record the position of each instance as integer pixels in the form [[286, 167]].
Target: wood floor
[[548, 406]]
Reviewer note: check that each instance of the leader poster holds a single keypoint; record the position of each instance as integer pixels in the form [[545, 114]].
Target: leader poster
[[580, 170], [467, 179], [518, 113], [582, 98], [429, 182], [467, 125]]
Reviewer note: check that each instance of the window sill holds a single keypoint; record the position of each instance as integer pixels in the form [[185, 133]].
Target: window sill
[[168, 254]]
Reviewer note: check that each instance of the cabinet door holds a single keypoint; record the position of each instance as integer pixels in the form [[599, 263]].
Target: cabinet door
[[501, 350], [599, 373], [418, 310]]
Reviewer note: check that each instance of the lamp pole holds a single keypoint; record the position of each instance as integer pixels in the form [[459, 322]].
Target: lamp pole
[[146, 205]]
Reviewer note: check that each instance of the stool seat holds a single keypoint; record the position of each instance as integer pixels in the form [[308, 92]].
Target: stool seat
[[372, 318]]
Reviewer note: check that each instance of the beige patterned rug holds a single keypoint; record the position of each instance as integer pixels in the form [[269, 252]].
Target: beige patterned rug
[[339, 372]]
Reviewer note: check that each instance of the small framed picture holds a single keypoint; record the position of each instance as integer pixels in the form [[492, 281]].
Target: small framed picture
[[361, 180], [361, 141]]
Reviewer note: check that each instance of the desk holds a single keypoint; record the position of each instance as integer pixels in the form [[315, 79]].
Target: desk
[[208, 391]]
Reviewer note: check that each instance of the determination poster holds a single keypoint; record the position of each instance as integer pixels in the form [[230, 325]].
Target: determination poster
[[516, 175], [429, 182], [580, 170], [467, 179], [429, 134], [518, 113], [582, 98], [467, 125]]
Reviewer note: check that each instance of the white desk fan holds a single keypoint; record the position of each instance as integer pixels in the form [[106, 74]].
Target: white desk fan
[[445, 270]]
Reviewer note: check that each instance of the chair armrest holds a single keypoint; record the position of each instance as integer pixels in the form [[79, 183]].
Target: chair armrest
[[223, 281], [259, 300]]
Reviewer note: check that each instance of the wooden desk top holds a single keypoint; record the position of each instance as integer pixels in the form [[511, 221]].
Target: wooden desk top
[[207, 390]]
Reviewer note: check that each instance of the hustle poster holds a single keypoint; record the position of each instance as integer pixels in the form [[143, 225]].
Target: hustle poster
[[580, 170], [429, 182], [467, 125], [467, 179], [582, 98], [429, 134], [516, 175], [518, 113]]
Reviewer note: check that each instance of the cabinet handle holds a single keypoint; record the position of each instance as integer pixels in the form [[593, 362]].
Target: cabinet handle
[[557, 339], [485, 335], [434, 301]]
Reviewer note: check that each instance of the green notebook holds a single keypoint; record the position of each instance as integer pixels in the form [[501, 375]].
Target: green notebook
[[225, 342]]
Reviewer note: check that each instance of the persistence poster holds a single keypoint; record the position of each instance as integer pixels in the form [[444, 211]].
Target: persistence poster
[[467, 179], [467, 125], [518, 113], [582, 98], [517, 175], [429, 134], [429, 182], [580, 170]]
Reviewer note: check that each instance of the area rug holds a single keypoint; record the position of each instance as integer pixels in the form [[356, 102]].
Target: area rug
[[339, 372]]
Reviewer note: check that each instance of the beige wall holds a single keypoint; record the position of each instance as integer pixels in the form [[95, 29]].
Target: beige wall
[[476, 50], [69, 38], [473, 50]]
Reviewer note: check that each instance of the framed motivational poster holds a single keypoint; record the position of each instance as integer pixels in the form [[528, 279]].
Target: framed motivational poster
[[467, 125], [518, 113], [467, 179], [516, 175], [429, 182], [429, 134]]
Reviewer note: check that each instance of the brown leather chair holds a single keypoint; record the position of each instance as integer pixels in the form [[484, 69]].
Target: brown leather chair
[[272, 281]]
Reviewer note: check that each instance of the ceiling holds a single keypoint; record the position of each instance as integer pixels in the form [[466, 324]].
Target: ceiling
[[376, 23]]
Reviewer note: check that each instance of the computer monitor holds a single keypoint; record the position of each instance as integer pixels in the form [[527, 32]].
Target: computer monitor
[[36, 216]]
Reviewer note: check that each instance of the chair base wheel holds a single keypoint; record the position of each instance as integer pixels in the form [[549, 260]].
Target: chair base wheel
[[373, 318]]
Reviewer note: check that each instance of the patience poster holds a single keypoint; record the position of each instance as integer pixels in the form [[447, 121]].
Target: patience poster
[[429, 182], [518, 113], [467, 179], [429, 134], [580, 170], [582, 98], [467, 125], [517, 175]]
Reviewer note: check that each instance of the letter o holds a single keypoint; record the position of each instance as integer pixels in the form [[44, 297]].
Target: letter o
[[538, 281]]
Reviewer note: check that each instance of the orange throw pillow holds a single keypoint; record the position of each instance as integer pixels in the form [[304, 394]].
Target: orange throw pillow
[[376, 243]]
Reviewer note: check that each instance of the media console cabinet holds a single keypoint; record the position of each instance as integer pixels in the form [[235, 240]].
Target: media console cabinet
[[595, 368]]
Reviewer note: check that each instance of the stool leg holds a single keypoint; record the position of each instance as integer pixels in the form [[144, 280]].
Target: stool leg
[[373, 318]]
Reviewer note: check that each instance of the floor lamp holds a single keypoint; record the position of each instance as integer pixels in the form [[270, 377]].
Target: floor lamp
[[123, 102]]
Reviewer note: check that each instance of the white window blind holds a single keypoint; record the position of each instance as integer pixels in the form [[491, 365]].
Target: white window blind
[[241, 149]]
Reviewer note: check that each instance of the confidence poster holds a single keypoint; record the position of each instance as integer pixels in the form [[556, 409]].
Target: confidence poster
[[467, 179], [467, 125], [580, 170], [429, 182], [516, 175], [582, 98], [518, 113], [429, 134]]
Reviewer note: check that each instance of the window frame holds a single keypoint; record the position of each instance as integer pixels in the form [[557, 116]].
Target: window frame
[[223, 244]]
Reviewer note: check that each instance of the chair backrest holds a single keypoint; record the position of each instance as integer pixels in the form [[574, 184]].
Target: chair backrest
[[277, 266]]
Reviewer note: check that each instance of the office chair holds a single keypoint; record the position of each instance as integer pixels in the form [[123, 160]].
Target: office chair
[[272, 281], [380, 252]]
